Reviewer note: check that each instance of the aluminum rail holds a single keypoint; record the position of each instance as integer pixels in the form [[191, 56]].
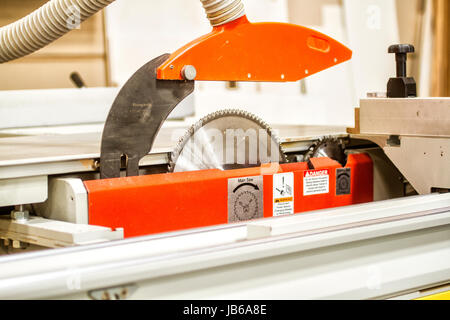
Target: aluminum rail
[[366, 251], [76, 153]]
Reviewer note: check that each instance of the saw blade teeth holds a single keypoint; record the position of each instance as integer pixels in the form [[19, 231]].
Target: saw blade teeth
[[311, 153], [216, 115]]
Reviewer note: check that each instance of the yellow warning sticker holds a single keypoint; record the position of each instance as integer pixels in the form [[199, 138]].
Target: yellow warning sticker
[[281, 200], [283, 194]]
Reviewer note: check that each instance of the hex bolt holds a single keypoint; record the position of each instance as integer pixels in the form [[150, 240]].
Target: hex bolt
[[20, 214], [16, 244], [189, 72]]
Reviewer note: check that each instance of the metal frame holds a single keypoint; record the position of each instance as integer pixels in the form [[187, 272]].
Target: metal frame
[[429, 117], [67, 201], [415, 135]]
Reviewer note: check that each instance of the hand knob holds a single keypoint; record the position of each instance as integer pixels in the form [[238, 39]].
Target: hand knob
[[402, 86], [401, 51]]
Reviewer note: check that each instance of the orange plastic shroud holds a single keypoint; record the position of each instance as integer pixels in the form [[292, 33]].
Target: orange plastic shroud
[[177, 201], [245, 51]]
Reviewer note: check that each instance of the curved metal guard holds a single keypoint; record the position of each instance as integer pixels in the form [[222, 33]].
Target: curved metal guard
[[136, 117]]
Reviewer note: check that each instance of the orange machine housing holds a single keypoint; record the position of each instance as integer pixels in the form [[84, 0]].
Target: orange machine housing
[[245, 51], [177, 201]]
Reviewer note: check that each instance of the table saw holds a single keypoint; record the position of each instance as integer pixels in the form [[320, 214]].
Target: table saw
[[230, 207]]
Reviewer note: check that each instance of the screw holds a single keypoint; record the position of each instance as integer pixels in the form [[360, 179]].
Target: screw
[[20, 214], [96, 165], [16, 244], [189, 72]]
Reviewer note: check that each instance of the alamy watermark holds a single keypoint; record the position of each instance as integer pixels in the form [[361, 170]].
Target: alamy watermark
[[212, 147], [73, 279]]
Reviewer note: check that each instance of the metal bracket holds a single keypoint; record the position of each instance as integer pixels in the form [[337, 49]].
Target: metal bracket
[[136, 116]]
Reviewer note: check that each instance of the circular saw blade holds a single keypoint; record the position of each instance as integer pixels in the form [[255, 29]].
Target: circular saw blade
[[227, 139], [328, 147]]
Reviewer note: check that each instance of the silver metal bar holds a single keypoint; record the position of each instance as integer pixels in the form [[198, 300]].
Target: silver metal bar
[[221, 263], [75, 153]]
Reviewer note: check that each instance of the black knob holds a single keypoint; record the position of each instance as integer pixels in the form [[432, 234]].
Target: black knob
[[77, 80], [402, 86], [401, 51]]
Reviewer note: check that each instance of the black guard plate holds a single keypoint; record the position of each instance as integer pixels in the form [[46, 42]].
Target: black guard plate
[[136, 116]]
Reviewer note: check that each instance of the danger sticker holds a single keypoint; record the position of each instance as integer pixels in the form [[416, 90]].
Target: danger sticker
[[316, 182], [283, 194]]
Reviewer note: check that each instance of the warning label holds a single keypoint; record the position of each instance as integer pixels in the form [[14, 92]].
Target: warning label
[[283, 194], [245, 199], [343, 181], [316, 182]]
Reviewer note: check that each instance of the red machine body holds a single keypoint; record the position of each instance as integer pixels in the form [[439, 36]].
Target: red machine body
[[245, 51], [159, 203]]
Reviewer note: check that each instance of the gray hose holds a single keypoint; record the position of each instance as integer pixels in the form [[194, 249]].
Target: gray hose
[[45, 25], [220, 12]]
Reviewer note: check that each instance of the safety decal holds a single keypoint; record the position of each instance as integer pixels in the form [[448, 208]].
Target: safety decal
[[343, 181], [245, 199], [283, 194], [316, 182]]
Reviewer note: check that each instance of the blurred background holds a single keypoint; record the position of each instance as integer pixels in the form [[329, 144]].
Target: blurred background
[[112, 45]]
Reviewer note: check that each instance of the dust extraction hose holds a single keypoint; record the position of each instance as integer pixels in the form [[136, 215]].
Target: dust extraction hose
[[45, 25], [220, 12]]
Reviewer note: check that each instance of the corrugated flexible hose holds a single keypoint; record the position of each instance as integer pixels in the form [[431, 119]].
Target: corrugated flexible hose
[[45, 25], [220, 12], [58, 17]]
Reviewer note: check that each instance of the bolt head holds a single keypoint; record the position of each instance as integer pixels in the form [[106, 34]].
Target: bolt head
[[20, 215], [401, 48], [189, 72]]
